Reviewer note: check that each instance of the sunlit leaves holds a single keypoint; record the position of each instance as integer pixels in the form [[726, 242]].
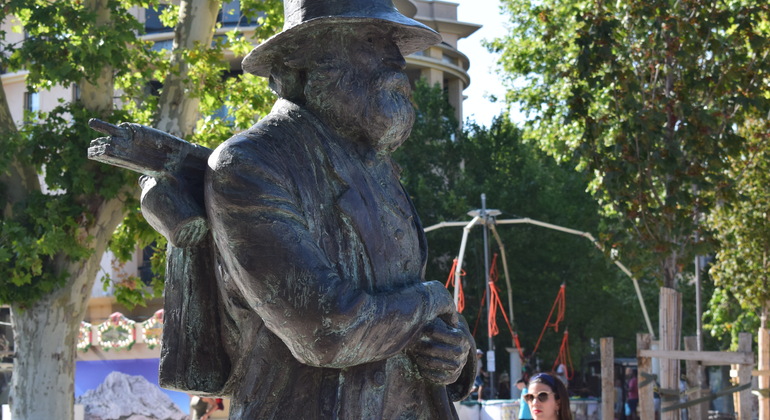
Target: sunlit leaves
[[741, 222], [67, 43], [645, 97], [63, 42]]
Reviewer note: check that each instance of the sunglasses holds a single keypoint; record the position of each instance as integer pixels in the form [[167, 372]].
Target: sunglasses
[[541, 396]]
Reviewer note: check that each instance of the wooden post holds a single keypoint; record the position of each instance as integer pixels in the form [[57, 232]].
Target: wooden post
[[744, 406], [695, 375], [644, 366], [670, 335], [764, 366], [608, 377]]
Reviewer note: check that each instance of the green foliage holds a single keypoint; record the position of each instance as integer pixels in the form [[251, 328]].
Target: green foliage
[[65, 44], [68, 42], [229, 102], [742, 228], [645, 97], [445, 170], [727, 317], [431, 158], [47, 229]]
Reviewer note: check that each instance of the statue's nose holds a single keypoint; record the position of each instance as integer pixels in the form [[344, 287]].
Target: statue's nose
[[396, 61], [392, 57]]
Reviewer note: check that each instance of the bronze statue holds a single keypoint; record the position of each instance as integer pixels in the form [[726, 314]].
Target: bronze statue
[[319, 255]]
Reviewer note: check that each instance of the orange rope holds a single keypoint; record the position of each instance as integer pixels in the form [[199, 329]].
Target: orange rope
[[561, 303], [451, 281], [518, 347], [497, 303], [565, 357], [494, 300]]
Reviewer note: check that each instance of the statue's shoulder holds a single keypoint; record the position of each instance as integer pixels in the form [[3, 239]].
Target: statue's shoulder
[[280, 134], [276, 141]]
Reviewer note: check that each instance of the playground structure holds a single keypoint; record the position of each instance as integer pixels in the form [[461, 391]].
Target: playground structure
[[487, 219], [666, 349]]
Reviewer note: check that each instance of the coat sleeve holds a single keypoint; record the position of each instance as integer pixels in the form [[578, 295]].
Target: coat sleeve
[[266, 245]]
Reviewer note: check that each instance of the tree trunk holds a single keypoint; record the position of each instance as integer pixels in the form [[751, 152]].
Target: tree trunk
[[44, 367], [42, 385], [6, 120], [670, 270], [179, 111], [45, 333], [98, 96]]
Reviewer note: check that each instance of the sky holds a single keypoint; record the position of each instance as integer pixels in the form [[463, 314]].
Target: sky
[[484, 80]]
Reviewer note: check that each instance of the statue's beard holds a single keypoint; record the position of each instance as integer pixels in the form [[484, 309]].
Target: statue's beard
[[374, 109]]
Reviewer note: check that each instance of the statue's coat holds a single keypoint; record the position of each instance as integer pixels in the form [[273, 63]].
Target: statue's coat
[[322, 261]]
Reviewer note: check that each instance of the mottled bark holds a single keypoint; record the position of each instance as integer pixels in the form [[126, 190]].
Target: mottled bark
[[97, 94], [45, 332], [178, 110]]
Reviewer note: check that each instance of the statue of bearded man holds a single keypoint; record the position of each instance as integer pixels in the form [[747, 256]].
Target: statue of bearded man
[[319, 252]]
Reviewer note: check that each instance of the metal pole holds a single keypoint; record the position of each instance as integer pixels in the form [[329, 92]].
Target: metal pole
[[599, 246], [701, 370], [490, 360], [698, 310], [460, 256]]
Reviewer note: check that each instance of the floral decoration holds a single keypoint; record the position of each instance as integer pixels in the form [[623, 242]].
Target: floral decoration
[[85, 335], [117, 332], [152, 329]]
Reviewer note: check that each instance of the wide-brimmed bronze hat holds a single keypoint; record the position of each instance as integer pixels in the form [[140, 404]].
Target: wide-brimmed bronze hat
[[303, 18]]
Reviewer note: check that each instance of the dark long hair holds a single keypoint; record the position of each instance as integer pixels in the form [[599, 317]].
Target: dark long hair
[[557, 386]]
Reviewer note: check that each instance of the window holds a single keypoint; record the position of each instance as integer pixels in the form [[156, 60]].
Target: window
[[230, 13], [6, 343], [32, 102], [166, 44], [145, 266], [152, 23]]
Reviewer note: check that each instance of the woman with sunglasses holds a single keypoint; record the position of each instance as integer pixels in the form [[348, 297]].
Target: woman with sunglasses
[[547, 398]]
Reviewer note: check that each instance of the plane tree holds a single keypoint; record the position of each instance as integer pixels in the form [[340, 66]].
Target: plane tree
[[59, 210], [742, 228], [645, 98]]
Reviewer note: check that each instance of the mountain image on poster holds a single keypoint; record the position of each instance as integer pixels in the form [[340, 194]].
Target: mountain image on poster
[[128, 397]]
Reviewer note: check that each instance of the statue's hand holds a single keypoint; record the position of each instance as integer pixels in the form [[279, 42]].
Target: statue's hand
[[442, 302], [441, 350]]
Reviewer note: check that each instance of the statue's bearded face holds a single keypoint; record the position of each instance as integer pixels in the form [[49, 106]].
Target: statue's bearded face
[[360, 89]]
